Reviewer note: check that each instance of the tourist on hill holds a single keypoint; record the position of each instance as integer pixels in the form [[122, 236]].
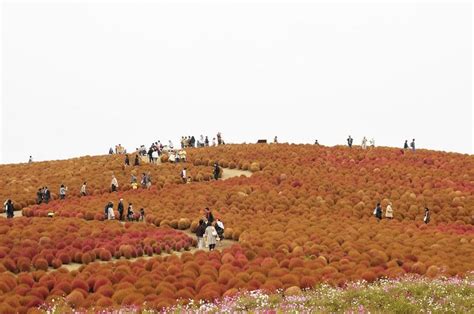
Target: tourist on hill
[[208, 215], [144, 180], [83, 189], [142, 214], [372, 143], [216, 171], [200, 230], [389, 211], [127, 160], [111, 151], [154, 156], [220, 228], [170, 144], [133, 179], [110, 212], [172, 157], [106, 209], [427, 217], [184, 176], [206, 142], [201, 141], [39, 196], [46, 195], [213, 141], [62, 191], [364, 143], [120, 209], [275, 140], [349, 141], [130, 212], [412, 145], [316, 142], [137, 160], [378, 211], [182, 155], [211, 236], [30, 160], [114, 184], [9, 209], [405, 146], [150, 155]]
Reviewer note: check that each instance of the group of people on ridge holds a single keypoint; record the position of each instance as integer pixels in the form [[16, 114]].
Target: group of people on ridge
[[378, 213], [109, 213]]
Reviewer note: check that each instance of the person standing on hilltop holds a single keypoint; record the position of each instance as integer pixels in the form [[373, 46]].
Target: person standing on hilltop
[[137, 161], [170, 144], [275, 140], [372, 143], [405, 146], [83, 189], [127, 160], [412, 145], [206, 142], [30, 160], [349, 141], [364, 143], [114, 184]]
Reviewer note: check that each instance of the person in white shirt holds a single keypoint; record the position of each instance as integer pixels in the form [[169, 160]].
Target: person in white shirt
[[183, 175], [364, 143], [114, 184], [172, 157], [170, 144], [30, 160], [154, 156], [372, 143], [214, 141], [83, 189], [62, 192]]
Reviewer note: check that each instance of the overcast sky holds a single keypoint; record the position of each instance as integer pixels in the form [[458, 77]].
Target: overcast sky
[[78, 78]]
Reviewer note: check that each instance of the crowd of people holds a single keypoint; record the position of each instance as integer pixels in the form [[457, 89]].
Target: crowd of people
[[209, 231], [130, 215]]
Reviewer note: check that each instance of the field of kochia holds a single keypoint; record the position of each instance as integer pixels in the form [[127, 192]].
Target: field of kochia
[[304, 218]]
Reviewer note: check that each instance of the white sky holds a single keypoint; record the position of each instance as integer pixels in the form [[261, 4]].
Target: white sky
[[78, 78]]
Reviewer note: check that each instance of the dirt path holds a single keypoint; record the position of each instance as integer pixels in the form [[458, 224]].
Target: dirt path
[[232, 173], [220, 246]]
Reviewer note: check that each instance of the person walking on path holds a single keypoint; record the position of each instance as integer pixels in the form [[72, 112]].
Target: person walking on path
[[83, 189], [389, 211], [200, 230], [378, 211], [114, 184], [412, 145], [127, 160], [39, 196], [427, 217], [184, 176], [211, 236], [106, 209], [216, 171], [350, 141], [120, 209], [62, 191], [9, 209], [220, 228]]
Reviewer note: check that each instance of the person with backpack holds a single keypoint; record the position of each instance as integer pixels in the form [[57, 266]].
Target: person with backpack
[[211, 236], [46, 195], [412, 145], [427, 217], [200, 230], [405, 146]]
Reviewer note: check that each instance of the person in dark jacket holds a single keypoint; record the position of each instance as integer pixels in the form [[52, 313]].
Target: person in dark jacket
[[39, 196], [46, 195], [209, 216], [9, 208], [200, 234], [137, 161], [378, 211], [350, 140], [120, 209], [216, 171], [130, 212], [427, 217], [127, 160], [405, 146]]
